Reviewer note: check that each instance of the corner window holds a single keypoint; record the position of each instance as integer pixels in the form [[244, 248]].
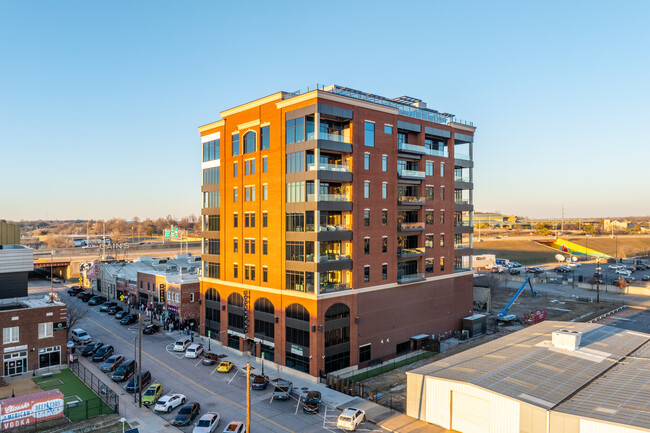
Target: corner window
[[235, 144], [295, 130], [265, 138], [369, 134], [250, 142], [211, 150]]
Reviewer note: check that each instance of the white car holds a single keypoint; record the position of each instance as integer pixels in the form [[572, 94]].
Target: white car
[[168, 402], [80, 336], [181, 344], [194, 351], [350, 419], [614, 267], [235, 427], [207, 423]]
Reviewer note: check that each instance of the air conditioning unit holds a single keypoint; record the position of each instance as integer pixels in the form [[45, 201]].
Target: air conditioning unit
[[566, 339]]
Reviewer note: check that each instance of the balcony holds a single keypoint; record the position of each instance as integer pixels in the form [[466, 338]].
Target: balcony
[[339, 168], [410, 278], [462, 224], [410, 252], [327, 136], [421, 150], [465, 179], [412, 226], [411, 174], [325, 258], [462, 156], [463, 160], [328, 197], [461, 201], [334, 262], [333, 287], [409, 200], [462, 246]]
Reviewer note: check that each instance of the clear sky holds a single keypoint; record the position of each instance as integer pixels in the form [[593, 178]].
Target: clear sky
[[100, 100]]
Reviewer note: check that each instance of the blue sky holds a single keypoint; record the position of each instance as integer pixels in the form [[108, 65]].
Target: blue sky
[[100, 101]]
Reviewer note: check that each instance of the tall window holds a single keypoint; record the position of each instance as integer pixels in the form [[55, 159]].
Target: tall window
[[265, 274], [384, 217], [366, 189], [249, 142], [384, 271], [265, 138], [265, 192], [366, 161], [384, 190], [249, 167], [265, 219], [442, 263], [235, 169], [265, 246], [384, 244], [428, 166], [211, 175], [366, 217], [265, 164], [428, 266], [235, 194], [428, 241], [295, 130], [369, 134], [211, 150], [442, 169], [366, 274], [442, 239], [384, 163], [235, 220], [295, 162], [442, 217], [428, 216], [235, 271], [442, 192], [235, 144], [366, 245], [428, 192], [235, 245]]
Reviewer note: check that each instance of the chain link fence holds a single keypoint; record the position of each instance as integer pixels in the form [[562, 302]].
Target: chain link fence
[[106, 394]]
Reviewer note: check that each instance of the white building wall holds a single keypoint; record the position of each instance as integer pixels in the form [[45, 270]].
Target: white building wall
[[592, 426], [16, 258], [504, 412]]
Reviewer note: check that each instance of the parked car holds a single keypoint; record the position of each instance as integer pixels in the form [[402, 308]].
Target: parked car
[[114, 310], [194, 351], [120, 315], [187, 413], [513, 271], [151, 329], [80, 336], [96, 300], [56, 280], [312, 402], [152, 394], [74, 290], [181, 344], [106, 305], [103, 352], [125, 370], [132, 386], [562, 269], [80, 294], [129, 319], [535, 270], [283, 389], [112, 363], [350, 419], [85, 297], [225, 366], [260, 382], [207, 423], [598, 274], [210, 358], [91, 348], [645, 278], [168, 402], [235, 427]]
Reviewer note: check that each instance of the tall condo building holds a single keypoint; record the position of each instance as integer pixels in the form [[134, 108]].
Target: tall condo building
[[337, 227]]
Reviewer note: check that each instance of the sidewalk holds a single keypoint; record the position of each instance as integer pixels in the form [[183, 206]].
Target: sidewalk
[[144, 419]]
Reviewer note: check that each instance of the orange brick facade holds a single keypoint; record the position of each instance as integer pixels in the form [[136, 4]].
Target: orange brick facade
[[377, 310]]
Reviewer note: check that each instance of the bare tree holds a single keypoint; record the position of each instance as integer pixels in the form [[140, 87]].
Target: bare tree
[[75, 314]]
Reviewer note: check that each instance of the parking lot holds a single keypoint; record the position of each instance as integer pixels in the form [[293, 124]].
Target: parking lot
[[224, 393]]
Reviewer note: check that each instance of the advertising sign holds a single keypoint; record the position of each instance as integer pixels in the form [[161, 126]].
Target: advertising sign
[[30, 409]]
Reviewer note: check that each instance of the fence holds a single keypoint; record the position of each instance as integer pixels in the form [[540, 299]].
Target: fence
[[381, 367], [96, 385]]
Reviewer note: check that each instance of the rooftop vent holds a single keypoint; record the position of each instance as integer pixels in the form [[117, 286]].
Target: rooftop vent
[[565, 339]]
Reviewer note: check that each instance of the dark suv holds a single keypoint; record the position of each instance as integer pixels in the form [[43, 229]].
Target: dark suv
[[106, 305], [132, 386], [103, 353], [96, 300], [91, 348]]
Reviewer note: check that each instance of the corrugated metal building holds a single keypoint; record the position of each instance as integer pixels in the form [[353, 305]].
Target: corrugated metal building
[[554, 377], [9, 234]]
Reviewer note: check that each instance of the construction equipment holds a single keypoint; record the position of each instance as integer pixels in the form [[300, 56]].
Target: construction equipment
[[503, 316]]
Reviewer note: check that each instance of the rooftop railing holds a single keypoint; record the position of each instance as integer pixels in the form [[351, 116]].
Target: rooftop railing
[[333, 287], [409, 278]]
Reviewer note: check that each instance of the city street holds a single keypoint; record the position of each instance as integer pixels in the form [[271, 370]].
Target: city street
[[215, 392]]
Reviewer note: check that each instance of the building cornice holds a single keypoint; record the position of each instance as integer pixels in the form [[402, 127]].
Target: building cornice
[[213, 125], [462, 127], [252, 104]]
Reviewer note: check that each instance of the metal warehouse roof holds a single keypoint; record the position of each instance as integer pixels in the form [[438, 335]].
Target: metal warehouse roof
[[621, 395], [526, 366]]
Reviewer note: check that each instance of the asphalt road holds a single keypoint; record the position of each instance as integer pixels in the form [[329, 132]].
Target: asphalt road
[[224, 393]]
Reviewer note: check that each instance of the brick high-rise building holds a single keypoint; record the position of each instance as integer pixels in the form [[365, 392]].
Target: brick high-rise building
[[337, 227]]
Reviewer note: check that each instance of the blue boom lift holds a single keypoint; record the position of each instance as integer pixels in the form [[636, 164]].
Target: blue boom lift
[[503, 315]]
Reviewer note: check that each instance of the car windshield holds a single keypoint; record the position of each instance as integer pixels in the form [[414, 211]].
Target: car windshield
[[232, 427], [180, 343], [185, 410], [203, 423], [282, 388], [120, 369], [258, 379], [83, 333], [150, 392], [345, 418]]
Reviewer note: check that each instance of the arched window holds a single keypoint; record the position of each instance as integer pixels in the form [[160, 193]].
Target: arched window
[[236, 300], [236, 312], [337, 337], [264, 322], [297, 311], [212, 312], [250, 140], [264, 305]]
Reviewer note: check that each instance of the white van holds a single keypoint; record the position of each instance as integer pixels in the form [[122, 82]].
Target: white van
[[181, 344], [194, 351]]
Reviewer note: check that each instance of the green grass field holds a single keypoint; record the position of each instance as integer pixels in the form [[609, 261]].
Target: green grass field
[[74, 389], [523, 251]]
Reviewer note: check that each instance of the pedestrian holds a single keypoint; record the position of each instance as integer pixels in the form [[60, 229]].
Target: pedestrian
[[171, 327]]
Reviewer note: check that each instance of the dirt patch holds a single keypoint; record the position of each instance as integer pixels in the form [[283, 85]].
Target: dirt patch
[[19, 387]]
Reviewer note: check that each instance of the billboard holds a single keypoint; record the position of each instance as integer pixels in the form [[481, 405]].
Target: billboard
[[31, 409]]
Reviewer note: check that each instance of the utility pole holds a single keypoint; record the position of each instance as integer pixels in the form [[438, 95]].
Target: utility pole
[[598, 280], [135, 356], [140, 358], [248, 397], [51, 276]]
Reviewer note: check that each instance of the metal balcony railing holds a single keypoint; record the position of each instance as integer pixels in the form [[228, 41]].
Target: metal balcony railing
[[342, 168], [410, 252], [409, 199], [462, 245], [411, 173], [462, 179], [334, 228], [333, 287], [333, 258], [461, 201], [410, 226], [407, 147], [408, 278], [328, 197], [463, 156]]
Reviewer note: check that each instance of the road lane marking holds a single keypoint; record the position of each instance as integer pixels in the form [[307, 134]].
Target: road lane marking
[[200, 361], [233, 376], [195, 383], [325, 416], [298, 404], [215, 369]]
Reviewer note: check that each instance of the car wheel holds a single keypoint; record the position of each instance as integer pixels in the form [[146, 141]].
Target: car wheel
[[363, 419], [183, 401], [169, 409]]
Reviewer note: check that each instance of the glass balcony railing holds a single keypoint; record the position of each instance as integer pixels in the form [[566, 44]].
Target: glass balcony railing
[[410, 173], [328, 197], [414, 148], [409, 199], [333, 287], [462, 224], [334, 228], [462, 179], [342, 168], [328, 136], [461, 201], [463, 156], [408, 278], [326, 258], [410, 226], [462, 245], [410, 252]]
